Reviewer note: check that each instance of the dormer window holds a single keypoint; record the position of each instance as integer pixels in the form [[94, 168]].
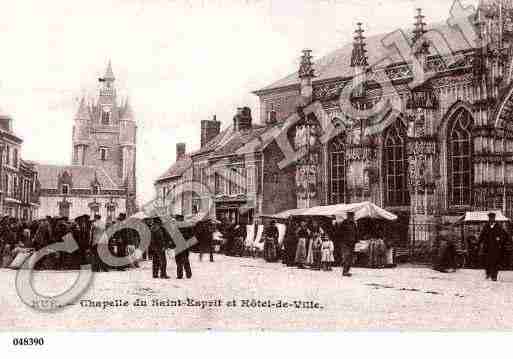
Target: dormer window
[[65, 189]]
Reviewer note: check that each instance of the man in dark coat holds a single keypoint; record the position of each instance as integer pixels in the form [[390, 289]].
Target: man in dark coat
[[337, 235], [290, 244], [81, 233], [204, 232], [493, 239], [271, 235], [182, 258], [349, 232], [158, 250]]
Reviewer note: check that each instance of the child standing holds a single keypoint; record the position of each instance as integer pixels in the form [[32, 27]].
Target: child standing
[[327, 253]]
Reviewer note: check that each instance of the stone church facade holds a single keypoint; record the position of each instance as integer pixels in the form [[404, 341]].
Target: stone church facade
[[441, 142], [101, 179], [426, 132]]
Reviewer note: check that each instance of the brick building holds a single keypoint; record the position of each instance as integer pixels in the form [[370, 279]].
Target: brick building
[[19, 184]]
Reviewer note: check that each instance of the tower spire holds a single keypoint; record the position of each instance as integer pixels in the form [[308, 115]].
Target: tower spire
[[306, 75], [306, 65], [109, 74], [107, 87], [418, 33], [358, 56]]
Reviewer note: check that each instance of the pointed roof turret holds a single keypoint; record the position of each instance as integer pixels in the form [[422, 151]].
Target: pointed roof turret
[[109, 74], [418, 33], [358, 56], [419, 30], [83, 111], [306, 66], [128, 113]]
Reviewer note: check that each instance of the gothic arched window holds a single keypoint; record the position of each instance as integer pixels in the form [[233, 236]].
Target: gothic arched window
[[459, 162], [337, 170], [396, 166]]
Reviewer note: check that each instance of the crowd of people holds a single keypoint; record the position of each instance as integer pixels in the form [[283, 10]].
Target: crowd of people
[[24, 237], [321, 244], [315, 243]]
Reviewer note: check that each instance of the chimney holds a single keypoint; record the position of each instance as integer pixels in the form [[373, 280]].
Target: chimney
[[209, 130], [242, 119], [180, 151]]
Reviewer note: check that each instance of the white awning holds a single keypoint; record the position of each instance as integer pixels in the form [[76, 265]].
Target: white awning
[[339, 211], [481, 216]]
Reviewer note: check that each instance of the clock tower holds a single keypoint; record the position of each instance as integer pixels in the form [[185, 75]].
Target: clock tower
[[104, 135]]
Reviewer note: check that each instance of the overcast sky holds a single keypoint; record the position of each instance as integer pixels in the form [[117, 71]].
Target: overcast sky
[[180, 61]]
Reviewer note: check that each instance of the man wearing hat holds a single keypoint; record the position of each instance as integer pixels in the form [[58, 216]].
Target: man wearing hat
[[493, 239], [97, 230], [158, 249], [349, 234]]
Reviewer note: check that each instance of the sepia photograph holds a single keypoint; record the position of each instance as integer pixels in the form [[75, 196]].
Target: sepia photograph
[[255, 165]]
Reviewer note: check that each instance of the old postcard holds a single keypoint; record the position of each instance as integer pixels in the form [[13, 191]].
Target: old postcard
[[256, 165]]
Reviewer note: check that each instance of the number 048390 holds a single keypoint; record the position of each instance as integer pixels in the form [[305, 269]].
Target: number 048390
[[28, 341]]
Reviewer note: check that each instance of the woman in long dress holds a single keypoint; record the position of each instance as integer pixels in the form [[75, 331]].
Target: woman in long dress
[[327, 253], [314, 250], [238, 241], [302, 234], [377, 252]]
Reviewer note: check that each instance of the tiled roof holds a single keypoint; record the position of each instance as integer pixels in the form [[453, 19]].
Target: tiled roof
[[215, 142], [177, 169], [82, 176], [337, 63], [228, 142], [237, 140]]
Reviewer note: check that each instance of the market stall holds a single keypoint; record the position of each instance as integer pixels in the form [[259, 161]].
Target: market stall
[[480, 217], [367, 214], [471, 224]]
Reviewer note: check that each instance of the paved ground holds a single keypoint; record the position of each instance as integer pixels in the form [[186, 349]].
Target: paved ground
[[400, 298]]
